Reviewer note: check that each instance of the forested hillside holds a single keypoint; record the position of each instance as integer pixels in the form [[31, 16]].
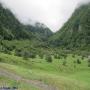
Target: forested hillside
[[76, 31], [11, 28]]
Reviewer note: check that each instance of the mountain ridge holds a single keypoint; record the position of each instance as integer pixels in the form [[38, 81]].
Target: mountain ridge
[[76, 31], [12, 28]]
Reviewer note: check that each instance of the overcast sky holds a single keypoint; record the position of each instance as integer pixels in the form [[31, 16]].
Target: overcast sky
[[53, 13]]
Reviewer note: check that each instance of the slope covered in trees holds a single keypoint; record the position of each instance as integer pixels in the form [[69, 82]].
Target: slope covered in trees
[[76, 31], [11, 28]]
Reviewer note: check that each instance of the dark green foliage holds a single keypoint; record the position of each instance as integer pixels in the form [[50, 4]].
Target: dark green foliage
[[64, 63], [26, 55], [1, 60], [65, 56], [78, 61], [49, 58], [56, 56], [11, 28], [41, 56], [40, 31], [73, 55], [32, 55], [82, 57], [15, 36], [18, 52], [76, 31], [88, 64], [74, 62], [6, 51], [88, 60]]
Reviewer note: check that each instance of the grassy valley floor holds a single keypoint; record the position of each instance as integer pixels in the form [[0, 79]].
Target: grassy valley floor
[[72, 76]]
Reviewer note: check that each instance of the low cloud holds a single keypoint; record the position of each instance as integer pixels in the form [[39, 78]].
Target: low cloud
[[53, 13]]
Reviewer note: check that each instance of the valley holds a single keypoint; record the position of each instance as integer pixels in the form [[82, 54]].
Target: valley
[[32, 57]]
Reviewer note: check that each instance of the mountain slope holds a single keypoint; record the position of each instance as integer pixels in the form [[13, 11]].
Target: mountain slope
[[76, 31], [11, 28], [39, 30]]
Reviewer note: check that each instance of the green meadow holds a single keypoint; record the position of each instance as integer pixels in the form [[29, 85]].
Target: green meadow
[[68, 76]]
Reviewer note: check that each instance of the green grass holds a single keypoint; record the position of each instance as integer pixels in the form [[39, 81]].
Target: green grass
[[69, 77]]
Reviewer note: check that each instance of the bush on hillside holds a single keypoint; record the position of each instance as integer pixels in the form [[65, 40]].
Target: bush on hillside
[[49, 58], [41, 56], [32, 55], [88, 60], [78, 61], [64, 63], [82, 57], [88, 64], [25, 55], [18, 52], [73, 55], [57, 56], [1, 60]]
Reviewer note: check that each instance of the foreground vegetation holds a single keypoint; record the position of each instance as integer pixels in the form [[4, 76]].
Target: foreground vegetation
[[70, 73]]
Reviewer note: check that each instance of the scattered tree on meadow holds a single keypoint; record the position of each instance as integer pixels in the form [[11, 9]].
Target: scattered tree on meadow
[[78, 61], [88, 62], [73, 55], [64, 63], [41, 56], [57, 56], [49, 58], [82, 57]]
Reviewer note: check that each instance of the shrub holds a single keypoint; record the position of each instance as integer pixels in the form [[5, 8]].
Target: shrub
[[73, 55], [18, 52], [82, 57], [56, 56], [41, 56], [74, 61], [88, 64], [78, 61], [1, 60], [49, 58], [65, 56], [88, 60], [6, 51], [32, 55], [74, 65], [26, 55], [64, 63]]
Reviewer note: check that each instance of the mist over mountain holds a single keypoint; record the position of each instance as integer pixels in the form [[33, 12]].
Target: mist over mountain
[[12, 28], [76, 31], [53, 13]]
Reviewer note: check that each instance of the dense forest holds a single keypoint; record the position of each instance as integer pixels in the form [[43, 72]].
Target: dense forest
[[11, 28], [76, 31], [74, 35]]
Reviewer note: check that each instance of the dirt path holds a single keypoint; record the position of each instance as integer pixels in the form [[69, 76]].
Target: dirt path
[[39, 84]]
